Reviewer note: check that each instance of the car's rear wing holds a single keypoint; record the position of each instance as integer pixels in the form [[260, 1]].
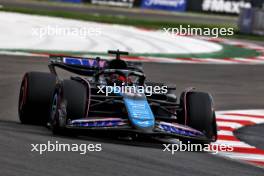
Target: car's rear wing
[[90, 63], [78, 65], [82, 65]]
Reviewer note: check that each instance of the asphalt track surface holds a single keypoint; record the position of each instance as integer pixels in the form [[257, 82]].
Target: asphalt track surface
[[131, 13], [233, 86]]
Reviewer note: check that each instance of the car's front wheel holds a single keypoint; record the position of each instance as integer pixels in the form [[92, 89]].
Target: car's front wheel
[[199, 113], [69, 102]]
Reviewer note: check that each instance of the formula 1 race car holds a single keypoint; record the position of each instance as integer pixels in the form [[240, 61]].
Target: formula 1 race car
[[94, 99]]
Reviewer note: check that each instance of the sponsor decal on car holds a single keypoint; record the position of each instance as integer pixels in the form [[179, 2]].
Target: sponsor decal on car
[[84, 62], [139, 111], [101, 122]]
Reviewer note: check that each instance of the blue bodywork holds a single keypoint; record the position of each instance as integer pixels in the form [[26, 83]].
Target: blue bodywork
[[139, 111]]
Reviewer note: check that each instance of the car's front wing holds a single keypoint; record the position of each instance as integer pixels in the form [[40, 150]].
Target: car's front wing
[[161, 128]]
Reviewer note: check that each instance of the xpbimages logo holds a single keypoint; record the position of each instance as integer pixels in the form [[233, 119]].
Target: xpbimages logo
[[123, 89], [48, 31], [198, 31], [192, 147], [62, 147]]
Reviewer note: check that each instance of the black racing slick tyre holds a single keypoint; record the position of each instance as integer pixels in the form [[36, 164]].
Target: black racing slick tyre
[[200, 114], [75, 95], [69, 103], [35, 97]]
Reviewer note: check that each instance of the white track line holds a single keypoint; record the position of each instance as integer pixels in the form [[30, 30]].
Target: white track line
[[229, 124]]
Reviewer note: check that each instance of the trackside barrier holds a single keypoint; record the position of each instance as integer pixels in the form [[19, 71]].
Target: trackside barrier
[[251, 21]]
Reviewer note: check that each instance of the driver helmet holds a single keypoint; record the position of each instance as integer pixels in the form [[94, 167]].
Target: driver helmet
[[119, 80], [117, 64]]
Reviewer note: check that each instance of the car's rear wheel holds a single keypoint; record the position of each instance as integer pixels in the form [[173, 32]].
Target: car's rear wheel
[[200, 114], [69, 102], [35, 97]]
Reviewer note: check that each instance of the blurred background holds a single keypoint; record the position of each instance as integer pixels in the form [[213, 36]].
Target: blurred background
[[245, 16]]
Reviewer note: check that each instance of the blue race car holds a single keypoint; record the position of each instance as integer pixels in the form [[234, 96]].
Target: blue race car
[[113, 95]]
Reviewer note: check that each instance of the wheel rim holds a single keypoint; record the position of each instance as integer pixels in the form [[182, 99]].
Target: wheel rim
[[54, 108]]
